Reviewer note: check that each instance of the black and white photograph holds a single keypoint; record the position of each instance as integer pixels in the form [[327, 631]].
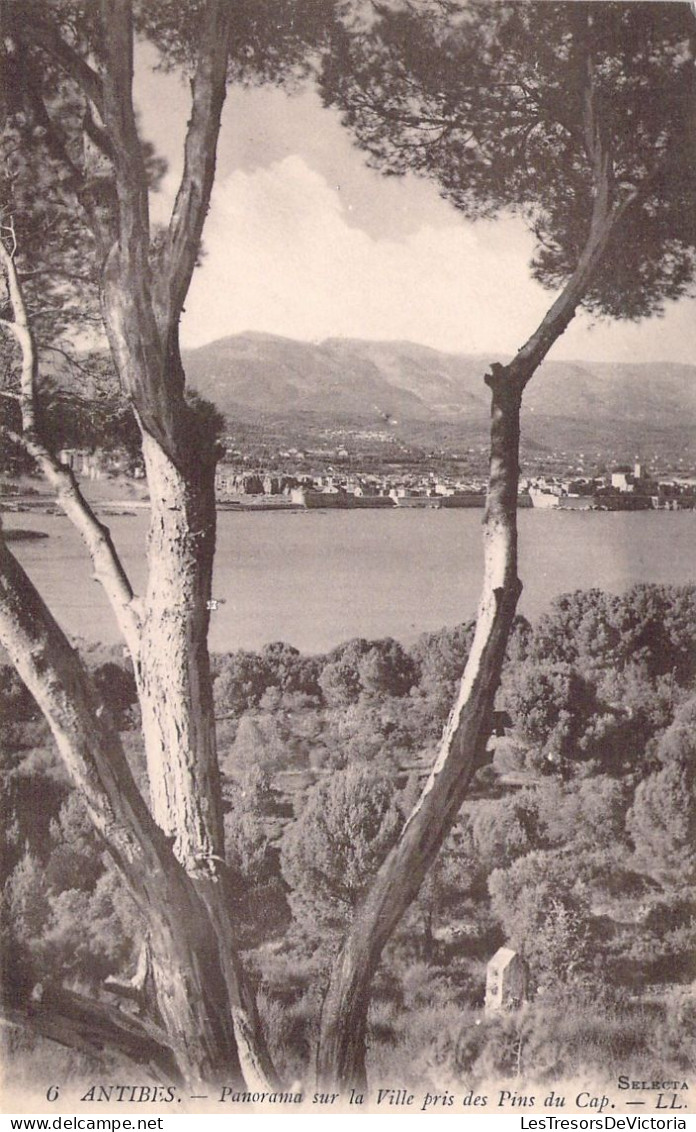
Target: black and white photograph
[[348, 560]]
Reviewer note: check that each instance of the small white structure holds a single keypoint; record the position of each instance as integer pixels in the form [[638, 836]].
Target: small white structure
[[623, 481], [506, 981]]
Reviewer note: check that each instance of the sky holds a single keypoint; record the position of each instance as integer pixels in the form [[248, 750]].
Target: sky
[[304, 240]]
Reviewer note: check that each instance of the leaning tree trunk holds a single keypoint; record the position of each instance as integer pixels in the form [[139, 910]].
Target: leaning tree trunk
[[341, 1050], [341, 1058], [193, 1008]]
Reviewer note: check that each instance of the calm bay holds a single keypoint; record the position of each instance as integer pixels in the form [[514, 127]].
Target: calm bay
[[317, 578]]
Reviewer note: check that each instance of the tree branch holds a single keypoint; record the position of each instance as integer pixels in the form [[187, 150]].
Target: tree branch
[[56, 147], [156, 388], [109, 570], [70, 359], [606, 214], [96, 134], [90, 747], [121, 126], [47, 37], [93, 1027], [193, 198]]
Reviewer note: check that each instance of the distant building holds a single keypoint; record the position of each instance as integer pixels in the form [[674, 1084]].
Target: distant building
[[83, 462], [544, 497], [506, 981], [623, 481]]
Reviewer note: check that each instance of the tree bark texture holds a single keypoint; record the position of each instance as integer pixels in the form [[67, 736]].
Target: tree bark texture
[[173, 667]]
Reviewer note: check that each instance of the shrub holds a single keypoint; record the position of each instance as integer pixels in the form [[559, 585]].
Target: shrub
[[337, 844]]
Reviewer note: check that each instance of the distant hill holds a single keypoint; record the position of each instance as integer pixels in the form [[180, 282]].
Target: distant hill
[[421, 392]]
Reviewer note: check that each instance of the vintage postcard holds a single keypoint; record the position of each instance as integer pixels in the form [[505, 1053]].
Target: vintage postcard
[[347, 588]]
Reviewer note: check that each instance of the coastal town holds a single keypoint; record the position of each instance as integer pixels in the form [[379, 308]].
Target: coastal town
[[621, 490], [239, 486]]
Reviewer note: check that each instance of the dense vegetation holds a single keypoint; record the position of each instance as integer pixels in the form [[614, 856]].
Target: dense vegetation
[[577, 845]]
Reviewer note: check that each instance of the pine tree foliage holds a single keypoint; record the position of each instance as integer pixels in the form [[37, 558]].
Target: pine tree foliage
[[491, 102]]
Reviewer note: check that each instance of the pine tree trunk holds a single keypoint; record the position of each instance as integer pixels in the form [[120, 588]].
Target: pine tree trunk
[[175, 691], [341, 1050], [341, 1053], [173, 666]]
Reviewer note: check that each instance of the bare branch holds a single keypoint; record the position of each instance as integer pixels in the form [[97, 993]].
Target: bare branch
[[9, 228], [109, 570], [193, 198], [68, 357], [96, 134]]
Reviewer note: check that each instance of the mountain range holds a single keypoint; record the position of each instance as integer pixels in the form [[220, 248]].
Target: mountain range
[[418, 393]]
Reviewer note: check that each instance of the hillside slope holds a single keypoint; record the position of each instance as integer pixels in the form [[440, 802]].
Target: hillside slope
[[418, 390]]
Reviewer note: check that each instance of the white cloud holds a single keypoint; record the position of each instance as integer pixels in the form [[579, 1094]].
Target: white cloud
[[282, 257], [292, 253]]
